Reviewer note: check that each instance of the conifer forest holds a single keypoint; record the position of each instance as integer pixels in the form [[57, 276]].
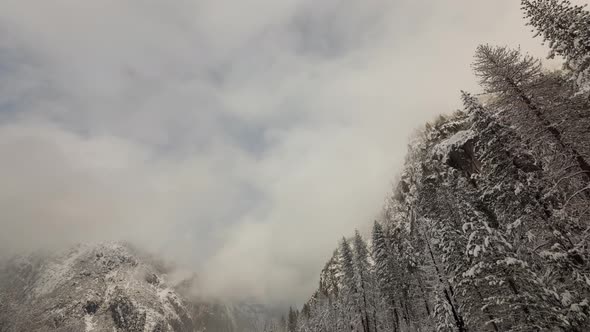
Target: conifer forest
[[488, 225]]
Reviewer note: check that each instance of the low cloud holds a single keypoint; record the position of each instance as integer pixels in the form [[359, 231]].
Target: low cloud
[[241, 139]]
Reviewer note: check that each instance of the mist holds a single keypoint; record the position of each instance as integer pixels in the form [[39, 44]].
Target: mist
[[238, 139]]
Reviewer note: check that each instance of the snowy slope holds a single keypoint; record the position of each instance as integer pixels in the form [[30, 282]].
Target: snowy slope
[[88, 288], [107, 287]]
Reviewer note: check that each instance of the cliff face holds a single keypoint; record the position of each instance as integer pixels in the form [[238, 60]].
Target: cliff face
[[108, 287]]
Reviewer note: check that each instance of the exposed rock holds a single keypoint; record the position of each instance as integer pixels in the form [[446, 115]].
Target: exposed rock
[[462, 157]]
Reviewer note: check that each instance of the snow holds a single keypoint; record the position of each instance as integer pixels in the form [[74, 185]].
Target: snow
[[98, 273], [513, 225], [577, 307], [151, 318], [90, 325], [476, 250], [518, 188], [466, 226], [57, 272], [443, 148], [553, 255], [167, 295], [566, 298], [509, 261], [472, 271]]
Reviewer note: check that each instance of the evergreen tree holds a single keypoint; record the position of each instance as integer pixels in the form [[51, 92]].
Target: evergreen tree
[[487, 227], [292, 320], [283, 323], [566, 28], [350, 295], [386, 276], [364, 283], [513, 78]]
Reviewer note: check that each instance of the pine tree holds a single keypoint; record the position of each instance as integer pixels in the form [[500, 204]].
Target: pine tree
[[487, 228], [283, 323], [386, 276], [292, 320], [364, 282], [566, 28], [350, 295], [505, 255], [513, 77]]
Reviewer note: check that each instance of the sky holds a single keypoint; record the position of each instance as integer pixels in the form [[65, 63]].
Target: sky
[[242, 139]]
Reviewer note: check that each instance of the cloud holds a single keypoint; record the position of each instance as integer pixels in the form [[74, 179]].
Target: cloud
[[241, 138]]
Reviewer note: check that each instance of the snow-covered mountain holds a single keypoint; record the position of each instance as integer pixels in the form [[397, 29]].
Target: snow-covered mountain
[[108, 287]]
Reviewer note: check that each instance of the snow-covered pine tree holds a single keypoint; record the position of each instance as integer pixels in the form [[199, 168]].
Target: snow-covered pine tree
[[292, 320], [440, 217], [487, 228], [326, 306], [515, 80], [350, 296], [566, 28], [414, 273], [387, 277], [526, 101], [522, 225], [364, 283]]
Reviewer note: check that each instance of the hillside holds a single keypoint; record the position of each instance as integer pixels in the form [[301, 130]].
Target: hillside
[[487, 226], [110, 287], [487, 230]]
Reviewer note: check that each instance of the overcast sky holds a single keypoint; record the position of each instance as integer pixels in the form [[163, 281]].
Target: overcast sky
[[244, 138]]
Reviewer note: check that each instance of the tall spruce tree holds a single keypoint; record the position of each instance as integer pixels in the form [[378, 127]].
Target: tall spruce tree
[[386, 276], [513, 78], [292, 320], [350, 294], [364, 282], [566, 28]]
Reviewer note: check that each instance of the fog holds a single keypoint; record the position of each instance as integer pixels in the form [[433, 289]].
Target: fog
[[241, 139]]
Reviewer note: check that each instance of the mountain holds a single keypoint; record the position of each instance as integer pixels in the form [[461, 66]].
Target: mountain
[[110, 287]]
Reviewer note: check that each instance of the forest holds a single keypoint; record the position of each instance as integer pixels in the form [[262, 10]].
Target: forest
[[487, 227]]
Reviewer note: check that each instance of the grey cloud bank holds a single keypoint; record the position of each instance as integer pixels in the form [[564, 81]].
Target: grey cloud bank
[[241, 138]]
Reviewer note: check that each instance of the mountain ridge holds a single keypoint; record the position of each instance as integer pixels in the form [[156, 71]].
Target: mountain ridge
[[110, 286]]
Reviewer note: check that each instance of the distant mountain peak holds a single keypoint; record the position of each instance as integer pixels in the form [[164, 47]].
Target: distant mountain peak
[[108, 286]]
